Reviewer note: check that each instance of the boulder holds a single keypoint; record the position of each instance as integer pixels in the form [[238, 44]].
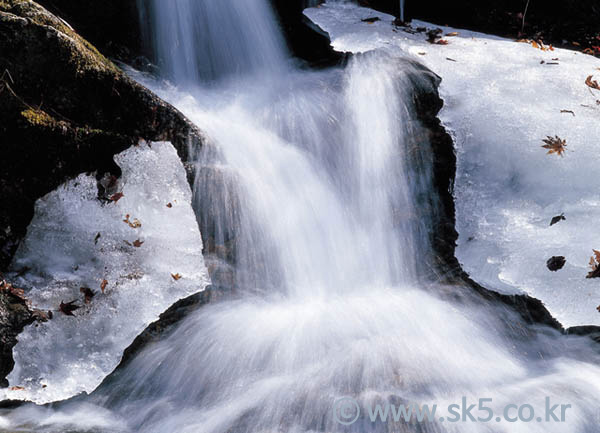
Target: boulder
[[65, 109]]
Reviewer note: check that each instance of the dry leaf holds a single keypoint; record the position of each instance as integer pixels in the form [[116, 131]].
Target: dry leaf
[[137, 243], [169, 205], [442, 42], [68, 308], [176, 277], [103, 285], [16, 388], [592, 83], [135, 224], [87, 293], [555, 145], [451, 34], [116, 197], [557, 219], [595, 265]]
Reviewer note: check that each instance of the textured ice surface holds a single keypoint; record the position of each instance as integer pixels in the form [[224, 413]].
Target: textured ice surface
[[501, 99], [68, 355]]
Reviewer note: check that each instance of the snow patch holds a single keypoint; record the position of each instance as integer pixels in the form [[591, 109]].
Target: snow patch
[[501, 99], [75, 241]]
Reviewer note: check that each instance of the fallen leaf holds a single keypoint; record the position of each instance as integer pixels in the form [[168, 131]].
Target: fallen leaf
[[371, 20], [577, 44], [595, 265], [116, 197], [68, 308], [555, 145], [16, 388], [135, 224], [87, 293], [442, 42], [451, 34], [557, 219], [176, 277], [556, 263], [592, 83], [137, 243], [169, 205], [568, 111], [103, 285]]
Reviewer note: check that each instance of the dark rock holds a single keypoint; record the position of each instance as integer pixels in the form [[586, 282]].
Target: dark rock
[[15, 314], [306, 40], [111, 25], [592, 332], [64, 109], [556, 263]]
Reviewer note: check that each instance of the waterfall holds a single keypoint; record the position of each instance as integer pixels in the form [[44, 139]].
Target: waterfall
[[204, 40], [310, 181]]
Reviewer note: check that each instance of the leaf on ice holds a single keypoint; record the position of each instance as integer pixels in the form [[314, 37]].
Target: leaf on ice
[[557, 219], [169, 205], [116, 197], [176, 277], [595, 265], [592, 83], [452, 34], [68, 308], [555, 145], [137, 243], [135, 224], [442, 42], [103, 285], [87, 293], [16, 388]]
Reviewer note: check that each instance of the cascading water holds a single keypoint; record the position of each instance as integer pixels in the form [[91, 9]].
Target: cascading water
[[313, 176]]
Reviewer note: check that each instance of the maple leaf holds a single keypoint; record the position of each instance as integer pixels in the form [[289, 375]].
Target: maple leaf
[[103, 285], [68, 308], [592, 83], [137, 243], [557, 219], [116, 197], [176, 277], [555, 145], [87, 293]]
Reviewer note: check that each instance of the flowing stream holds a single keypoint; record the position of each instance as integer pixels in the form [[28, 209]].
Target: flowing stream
[[315, 181]]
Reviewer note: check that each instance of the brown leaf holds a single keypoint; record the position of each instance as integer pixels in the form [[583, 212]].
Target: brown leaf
[[116, 197], [592, 83], [176, 277], [595, 265], [16, 388], [68, 308], [442, 42], [598, 308], [87, 293], [555, 145], [169, 205], [103, 285], [135, 224], [451, 34], [137, 243]]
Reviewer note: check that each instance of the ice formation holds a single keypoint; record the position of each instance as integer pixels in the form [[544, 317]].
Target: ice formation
[[501, 98], [76, 241]]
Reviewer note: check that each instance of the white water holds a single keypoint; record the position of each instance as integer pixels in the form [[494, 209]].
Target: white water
[[325, 172]]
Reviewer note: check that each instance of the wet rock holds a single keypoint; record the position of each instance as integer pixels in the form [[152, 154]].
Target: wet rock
[[556, 263], [15, 314], [64, 109]]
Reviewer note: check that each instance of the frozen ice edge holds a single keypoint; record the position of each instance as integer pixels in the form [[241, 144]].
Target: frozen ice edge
[[500, 100], [69, 355]]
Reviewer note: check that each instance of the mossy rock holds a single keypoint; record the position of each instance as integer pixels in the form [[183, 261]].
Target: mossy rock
[[64, 109]]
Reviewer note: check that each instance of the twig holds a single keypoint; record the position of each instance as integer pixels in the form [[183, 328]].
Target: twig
[[524, 15]]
